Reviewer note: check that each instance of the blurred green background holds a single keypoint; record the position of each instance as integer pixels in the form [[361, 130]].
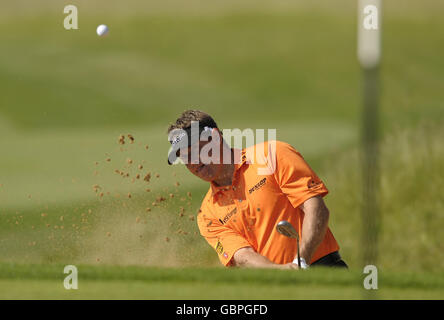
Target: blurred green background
[[66, 96]]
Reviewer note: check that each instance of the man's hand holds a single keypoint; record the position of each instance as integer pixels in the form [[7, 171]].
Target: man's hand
[[314, 226], [290, 265], [247, 257]]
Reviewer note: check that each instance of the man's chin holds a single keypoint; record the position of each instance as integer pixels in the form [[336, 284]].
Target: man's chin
[[205, 175]]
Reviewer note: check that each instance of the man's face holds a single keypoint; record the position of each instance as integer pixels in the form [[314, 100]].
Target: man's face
[[207, 172]]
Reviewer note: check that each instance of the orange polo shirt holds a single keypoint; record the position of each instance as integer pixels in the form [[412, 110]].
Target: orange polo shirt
[[269, 183]]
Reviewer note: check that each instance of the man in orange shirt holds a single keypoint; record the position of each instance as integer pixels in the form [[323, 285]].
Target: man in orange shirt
[[251, 190]]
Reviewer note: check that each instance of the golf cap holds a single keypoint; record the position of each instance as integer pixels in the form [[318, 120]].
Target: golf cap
[[184, 138]]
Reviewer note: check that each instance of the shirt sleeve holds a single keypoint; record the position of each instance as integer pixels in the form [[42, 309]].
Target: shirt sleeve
[[224, 240], [295, 177]]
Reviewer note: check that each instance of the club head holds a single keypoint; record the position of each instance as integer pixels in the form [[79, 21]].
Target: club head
[[285, 228]]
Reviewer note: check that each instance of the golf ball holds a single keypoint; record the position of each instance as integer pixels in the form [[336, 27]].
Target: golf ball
[[102, 30]]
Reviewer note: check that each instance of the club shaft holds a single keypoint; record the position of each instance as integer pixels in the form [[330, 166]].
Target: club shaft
[[299, 256]]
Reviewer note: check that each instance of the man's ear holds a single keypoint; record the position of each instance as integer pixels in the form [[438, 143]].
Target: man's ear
[[219, 138], [215, 134], [216, 130]]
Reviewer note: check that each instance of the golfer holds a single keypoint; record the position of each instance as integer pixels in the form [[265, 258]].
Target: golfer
[[249, 194]]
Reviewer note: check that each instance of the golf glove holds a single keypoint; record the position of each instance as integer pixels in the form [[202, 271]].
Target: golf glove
[[304, 264]]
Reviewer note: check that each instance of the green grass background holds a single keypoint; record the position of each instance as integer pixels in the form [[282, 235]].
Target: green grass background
[[66, 96], [131, 282]]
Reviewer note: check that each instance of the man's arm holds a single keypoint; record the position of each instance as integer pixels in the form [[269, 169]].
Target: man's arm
[[314, 226], [247, 257]]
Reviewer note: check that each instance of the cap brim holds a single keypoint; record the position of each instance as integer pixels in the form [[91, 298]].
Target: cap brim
[[170, 156], [185, 143]]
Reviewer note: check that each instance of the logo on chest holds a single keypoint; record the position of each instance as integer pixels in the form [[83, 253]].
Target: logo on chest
[[228, 216], [258, 185]]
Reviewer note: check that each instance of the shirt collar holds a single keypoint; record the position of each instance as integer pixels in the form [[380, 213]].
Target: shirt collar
[[240, 158]]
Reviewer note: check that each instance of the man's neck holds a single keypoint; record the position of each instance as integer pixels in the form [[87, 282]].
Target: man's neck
[[226, 179]]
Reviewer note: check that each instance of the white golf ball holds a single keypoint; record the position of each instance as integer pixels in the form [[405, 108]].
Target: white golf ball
[[102, 30]]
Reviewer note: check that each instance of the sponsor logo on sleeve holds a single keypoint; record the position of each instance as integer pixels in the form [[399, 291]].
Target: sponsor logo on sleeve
[[228, 216], [313, 184]]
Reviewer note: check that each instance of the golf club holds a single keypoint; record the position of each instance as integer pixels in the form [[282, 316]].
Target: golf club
[[285, 228]]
